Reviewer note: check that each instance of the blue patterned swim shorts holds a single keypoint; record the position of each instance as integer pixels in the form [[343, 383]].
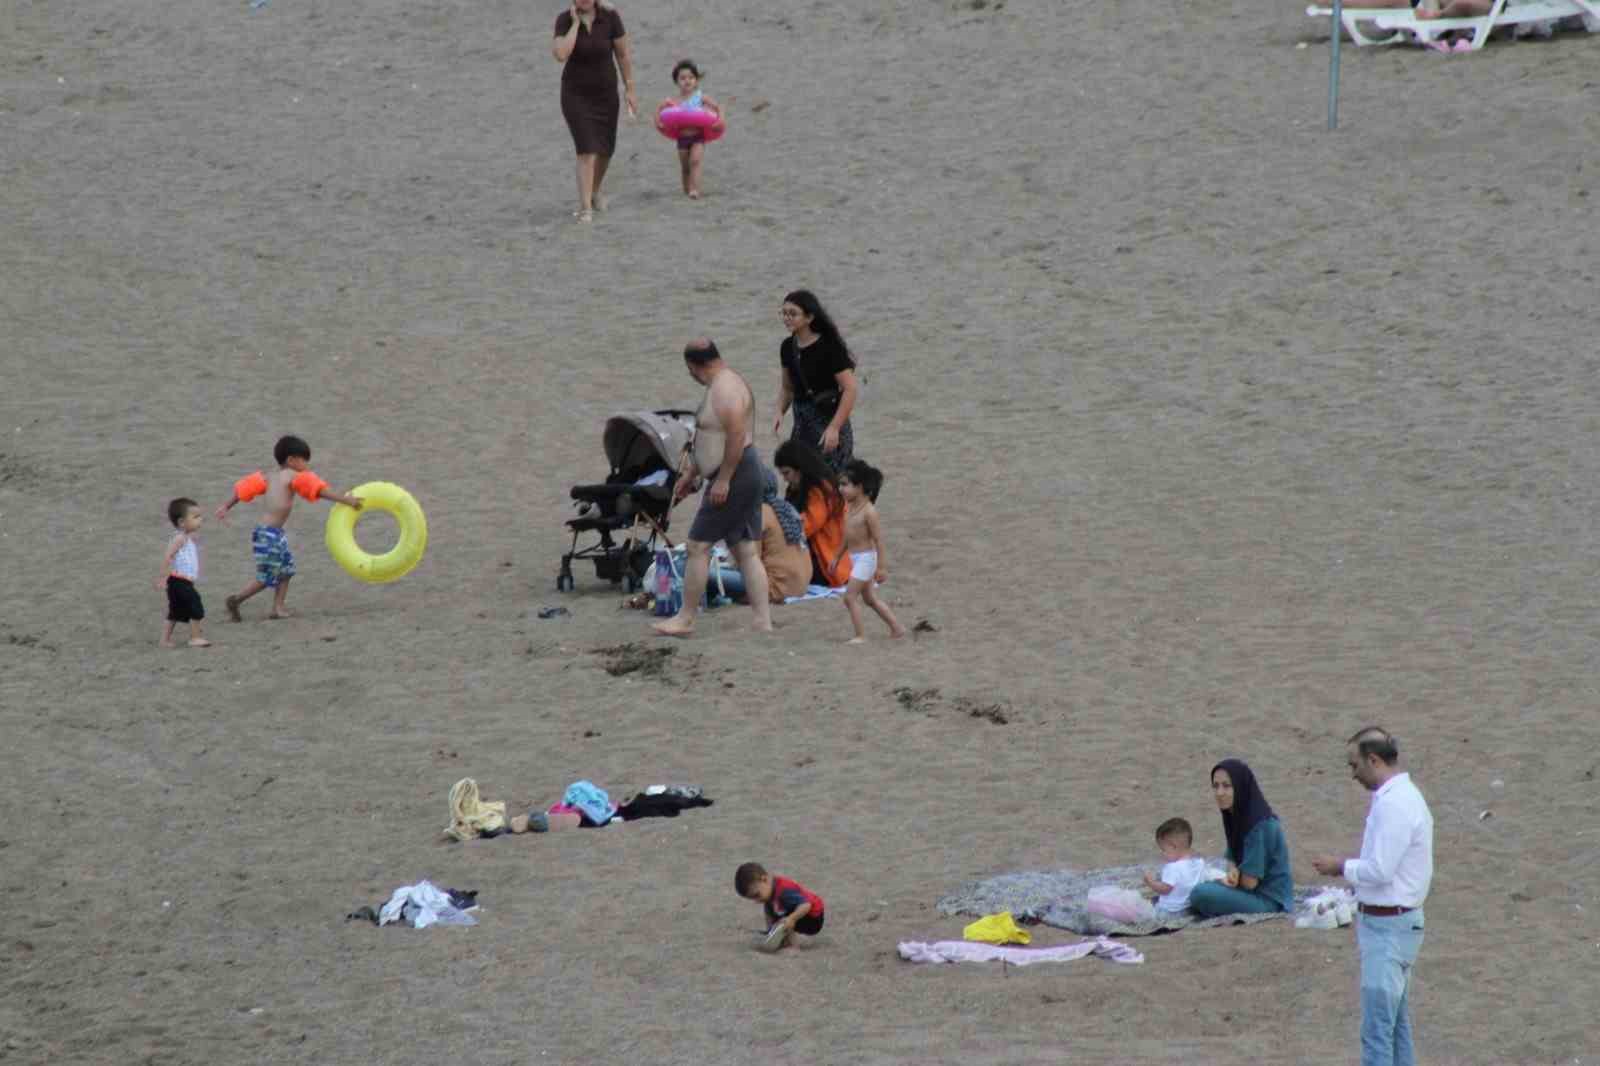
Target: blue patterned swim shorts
[[274, 561]]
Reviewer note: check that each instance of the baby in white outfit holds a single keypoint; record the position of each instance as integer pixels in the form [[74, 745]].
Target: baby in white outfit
[[1183, 869]]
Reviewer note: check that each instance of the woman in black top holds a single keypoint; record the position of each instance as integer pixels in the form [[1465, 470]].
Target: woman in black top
[[818, 380]]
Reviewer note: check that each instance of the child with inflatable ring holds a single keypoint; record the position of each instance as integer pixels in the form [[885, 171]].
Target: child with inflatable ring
[[269, 545], [693, 120]]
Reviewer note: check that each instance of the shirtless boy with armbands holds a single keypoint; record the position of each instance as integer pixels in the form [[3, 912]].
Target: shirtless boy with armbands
[[269, 544]]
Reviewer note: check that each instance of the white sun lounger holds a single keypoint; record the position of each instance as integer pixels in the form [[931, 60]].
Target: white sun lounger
[[1503, 13], [1353, 17], [1403, 23]]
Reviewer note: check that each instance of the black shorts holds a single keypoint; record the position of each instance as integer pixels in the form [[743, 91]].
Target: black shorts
[[183, 601], [810, 925], [739, 517]]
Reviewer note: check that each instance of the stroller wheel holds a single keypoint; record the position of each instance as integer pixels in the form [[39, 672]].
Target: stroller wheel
[[565, 583]]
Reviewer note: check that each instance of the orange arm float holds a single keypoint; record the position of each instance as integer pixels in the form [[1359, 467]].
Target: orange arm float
[[308, 485], [250, 486]]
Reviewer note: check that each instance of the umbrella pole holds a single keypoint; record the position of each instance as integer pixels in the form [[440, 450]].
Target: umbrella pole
[[1333, 67]]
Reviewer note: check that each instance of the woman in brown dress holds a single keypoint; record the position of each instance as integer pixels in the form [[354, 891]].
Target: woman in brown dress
[[591, 44]]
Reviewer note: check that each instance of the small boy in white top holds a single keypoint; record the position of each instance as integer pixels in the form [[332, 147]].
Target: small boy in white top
[[1183, 870], [180, 570]]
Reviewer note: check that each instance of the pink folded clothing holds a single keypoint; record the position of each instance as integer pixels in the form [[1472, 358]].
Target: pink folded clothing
[[969, 951]]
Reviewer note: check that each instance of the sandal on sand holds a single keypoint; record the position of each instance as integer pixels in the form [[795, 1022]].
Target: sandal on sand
[[584, 216]]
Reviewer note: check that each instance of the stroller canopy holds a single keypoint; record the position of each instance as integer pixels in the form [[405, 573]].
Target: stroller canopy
[[640, 442]]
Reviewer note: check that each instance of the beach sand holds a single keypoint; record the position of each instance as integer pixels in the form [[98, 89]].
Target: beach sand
[[1206, 432]]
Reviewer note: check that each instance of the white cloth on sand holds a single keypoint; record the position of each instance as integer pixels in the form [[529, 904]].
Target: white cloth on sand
[[423, 905], [970, 951], [817, 592]]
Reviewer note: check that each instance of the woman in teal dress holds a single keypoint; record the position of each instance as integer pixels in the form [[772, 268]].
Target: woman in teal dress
[[1258, 880]]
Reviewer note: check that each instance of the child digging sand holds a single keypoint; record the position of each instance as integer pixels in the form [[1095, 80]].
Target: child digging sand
[[786, 903], [180, 570], [268, 542], [863, 539]]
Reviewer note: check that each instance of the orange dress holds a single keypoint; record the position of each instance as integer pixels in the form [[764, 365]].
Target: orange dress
[[824, 522]]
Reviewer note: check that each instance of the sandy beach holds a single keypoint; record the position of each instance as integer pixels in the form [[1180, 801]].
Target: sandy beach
[[1205, 433]]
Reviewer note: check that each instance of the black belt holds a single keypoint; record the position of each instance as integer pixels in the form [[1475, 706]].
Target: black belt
[[1382, 912]]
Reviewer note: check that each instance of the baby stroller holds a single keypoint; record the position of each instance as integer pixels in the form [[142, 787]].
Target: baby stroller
[[644, 449]]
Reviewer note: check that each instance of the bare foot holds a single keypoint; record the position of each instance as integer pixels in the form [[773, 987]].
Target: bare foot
[[232, 603], [280, 612], [759, 628], [672, 627], [897, 633], [856, 640], [199, 642], [584, 216], [694, 194], [168, 644]]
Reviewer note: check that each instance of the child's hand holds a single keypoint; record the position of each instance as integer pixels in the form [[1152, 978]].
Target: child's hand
[[882, 575], [1232, 878], [1149, 882]]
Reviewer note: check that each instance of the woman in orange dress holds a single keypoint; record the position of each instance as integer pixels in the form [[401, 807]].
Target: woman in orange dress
[[814, 491]]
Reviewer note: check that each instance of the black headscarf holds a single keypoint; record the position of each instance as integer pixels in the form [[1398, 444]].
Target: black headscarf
[[1249, 805]]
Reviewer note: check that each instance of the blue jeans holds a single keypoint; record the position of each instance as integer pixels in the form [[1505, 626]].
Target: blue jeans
[[1213, 898], [1389, 947]]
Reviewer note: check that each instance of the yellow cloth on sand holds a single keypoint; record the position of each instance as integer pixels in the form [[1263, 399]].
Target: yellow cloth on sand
[[997, 929], [470, 815]]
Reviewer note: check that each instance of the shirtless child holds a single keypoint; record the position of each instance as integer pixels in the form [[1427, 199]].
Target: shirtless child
[[863, 539], [725, 455], [268, 542]]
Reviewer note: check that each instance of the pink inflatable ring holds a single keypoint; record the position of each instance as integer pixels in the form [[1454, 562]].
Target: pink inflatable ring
[[681, 121]]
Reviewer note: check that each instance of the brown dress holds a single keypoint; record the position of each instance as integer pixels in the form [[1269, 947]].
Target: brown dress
[[589, 100]]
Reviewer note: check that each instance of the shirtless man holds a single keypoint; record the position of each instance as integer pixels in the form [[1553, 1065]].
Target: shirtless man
[[725, 455]]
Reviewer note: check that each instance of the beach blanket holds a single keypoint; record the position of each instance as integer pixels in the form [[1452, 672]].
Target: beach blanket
[[817, 592], [966, 951], [1058, 898]]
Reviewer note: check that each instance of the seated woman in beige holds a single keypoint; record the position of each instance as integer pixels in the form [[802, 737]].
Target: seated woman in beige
[[783, 543]]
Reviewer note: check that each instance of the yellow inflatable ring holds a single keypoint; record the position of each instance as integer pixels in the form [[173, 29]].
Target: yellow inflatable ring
[[393, 564]]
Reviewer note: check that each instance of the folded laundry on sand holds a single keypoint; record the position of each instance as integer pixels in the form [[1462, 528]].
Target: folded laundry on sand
[[1060, 898], [422, 904], [471, 817], [966, 951]]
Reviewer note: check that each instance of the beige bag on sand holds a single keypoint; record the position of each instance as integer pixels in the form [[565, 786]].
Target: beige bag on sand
[[469, 815]]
